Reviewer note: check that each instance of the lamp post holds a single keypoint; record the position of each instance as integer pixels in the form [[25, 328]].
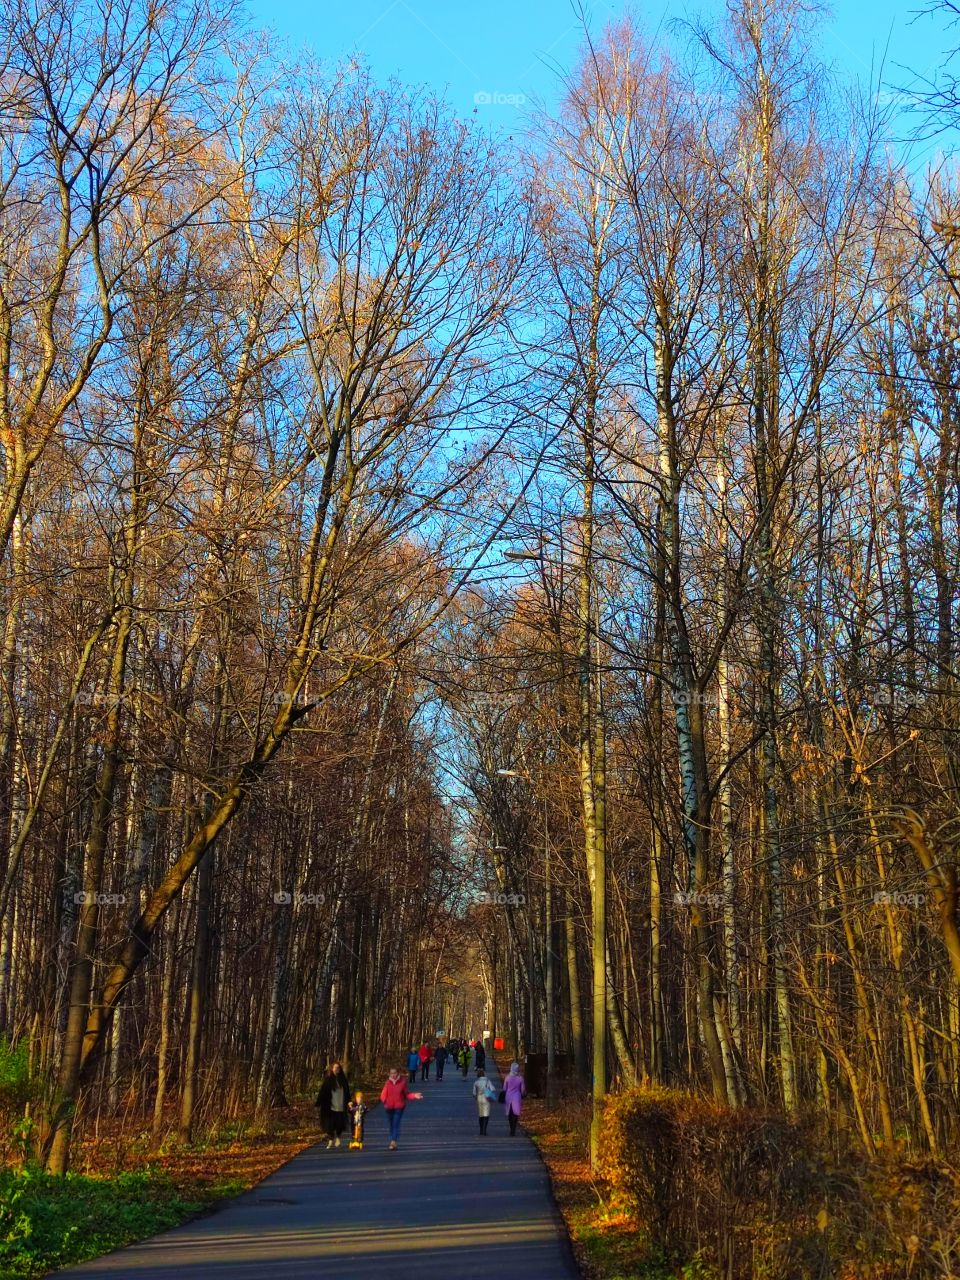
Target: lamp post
[[539, 557], [494, 849], [548, 969], [592, 752]]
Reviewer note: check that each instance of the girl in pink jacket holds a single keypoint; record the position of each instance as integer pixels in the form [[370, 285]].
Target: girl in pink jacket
[[515, 1091], [395, 1095]]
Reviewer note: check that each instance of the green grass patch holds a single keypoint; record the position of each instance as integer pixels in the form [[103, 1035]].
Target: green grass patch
[[612, 1253], [615, 1249], [49, 1222]]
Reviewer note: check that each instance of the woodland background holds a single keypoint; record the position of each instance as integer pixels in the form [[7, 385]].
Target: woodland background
[[611, 479]]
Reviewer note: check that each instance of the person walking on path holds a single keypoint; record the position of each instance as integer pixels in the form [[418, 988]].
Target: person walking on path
[[484, 1094], [514, 1092], [480, 1055], [440, 1057], [413, 1064], [332, 1102], [426, 1057], [395, 1095], [464, 1060]]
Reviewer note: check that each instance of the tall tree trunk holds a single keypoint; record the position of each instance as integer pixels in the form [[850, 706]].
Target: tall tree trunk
[[577, 1036], [166, 1016], [57, 1144], [197, 998], [270, 1085]]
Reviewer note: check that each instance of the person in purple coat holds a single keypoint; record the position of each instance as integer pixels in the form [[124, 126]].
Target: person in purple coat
[[515, 1091]]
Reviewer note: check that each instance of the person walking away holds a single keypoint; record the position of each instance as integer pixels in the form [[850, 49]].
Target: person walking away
[[426, 1057], [480, 1055], [332, 1101], [395, 1095], [464, 1060], [358, 1110], [514, 1092], [484, 1094], [413, 1064], [440, 1057]]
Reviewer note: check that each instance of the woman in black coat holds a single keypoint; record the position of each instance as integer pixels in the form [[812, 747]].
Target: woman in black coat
[[332, 1101]]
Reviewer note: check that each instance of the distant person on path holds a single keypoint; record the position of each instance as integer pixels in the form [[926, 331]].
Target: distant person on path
[[426, 1057], [440, 1057], [332, 1102], [395, 1095], [413, 1064], [480, 1055], [464, 1059], [514, 1091], [484, 1094]]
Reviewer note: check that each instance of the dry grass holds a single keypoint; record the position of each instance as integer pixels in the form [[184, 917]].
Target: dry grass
[[240, 1153]]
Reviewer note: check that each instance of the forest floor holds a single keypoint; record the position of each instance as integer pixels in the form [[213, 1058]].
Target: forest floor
[[125, 1188], [242, 1151]]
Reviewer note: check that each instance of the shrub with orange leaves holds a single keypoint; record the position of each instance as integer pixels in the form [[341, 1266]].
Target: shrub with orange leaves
[[712, 1181], [750, 1195]]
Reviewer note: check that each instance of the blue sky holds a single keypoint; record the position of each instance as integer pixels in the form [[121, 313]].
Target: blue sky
[[511, 49]]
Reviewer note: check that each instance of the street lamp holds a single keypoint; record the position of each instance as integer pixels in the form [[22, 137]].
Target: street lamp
[[495, 849], [548, 976], [592, 784]]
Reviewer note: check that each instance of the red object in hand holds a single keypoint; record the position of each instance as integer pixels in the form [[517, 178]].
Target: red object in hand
[[498, 1044]]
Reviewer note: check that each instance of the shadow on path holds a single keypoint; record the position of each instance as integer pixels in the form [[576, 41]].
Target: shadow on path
[[448, 1202]]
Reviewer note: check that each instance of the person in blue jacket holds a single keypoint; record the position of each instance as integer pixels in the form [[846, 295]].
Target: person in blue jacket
[[413, 1064]]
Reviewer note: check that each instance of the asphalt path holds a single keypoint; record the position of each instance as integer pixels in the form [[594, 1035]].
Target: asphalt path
[[447, 1203]]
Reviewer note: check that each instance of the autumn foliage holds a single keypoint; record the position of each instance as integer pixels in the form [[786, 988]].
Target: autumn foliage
[[748, 1193]]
